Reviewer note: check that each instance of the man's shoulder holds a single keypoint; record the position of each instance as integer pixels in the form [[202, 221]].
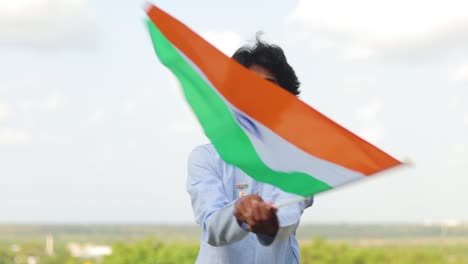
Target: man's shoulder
[[204, 151], [205, 148], [205, 156]]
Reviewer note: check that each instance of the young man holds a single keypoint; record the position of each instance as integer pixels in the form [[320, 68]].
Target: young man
[[239, 222]]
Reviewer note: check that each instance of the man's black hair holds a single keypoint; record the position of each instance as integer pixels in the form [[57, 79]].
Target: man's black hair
[[272, 58]]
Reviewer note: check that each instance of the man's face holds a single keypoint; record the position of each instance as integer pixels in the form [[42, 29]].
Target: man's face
[[264, 73]]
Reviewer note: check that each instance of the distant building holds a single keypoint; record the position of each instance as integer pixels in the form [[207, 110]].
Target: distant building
[[445, 223], [451, 222], [49, 245], [89, 251], [15, 248], [31, 260]]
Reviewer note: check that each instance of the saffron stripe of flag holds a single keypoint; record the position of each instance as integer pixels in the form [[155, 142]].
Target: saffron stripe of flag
[[257, 126]]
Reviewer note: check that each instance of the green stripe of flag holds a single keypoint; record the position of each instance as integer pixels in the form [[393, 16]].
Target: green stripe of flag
[[220, 126]]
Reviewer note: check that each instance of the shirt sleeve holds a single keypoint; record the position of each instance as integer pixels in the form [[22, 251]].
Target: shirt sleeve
[[288, 216], [211, 208]]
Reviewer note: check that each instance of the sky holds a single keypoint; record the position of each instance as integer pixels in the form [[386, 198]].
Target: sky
[[93, 129]]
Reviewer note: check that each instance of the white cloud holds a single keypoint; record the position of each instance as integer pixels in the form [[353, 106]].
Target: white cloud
[[46, 23], [129, 107], [458, 149], [461, 73], [454, 102], [365, 28], [97, 116], [370, 128], [4, 111], [14, 136], [185, 122], [359, 86], [358, 52], [25, 105], [48, 137], [54, 102], [369, 112], [227, 41], [373, 133], [132, 144]]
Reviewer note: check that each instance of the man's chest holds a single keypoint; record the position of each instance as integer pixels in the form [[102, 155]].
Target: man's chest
[[238, 184]]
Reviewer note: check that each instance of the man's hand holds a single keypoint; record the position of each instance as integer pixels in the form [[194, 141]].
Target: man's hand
[[258, 215]]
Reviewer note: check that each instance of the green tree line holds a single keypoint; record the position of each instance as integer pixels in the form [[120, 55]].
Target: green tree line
[[317, 251]]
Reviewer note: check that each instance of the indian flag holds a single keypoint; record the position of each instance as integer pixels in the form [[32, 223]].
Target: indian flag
[[256, 125]]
